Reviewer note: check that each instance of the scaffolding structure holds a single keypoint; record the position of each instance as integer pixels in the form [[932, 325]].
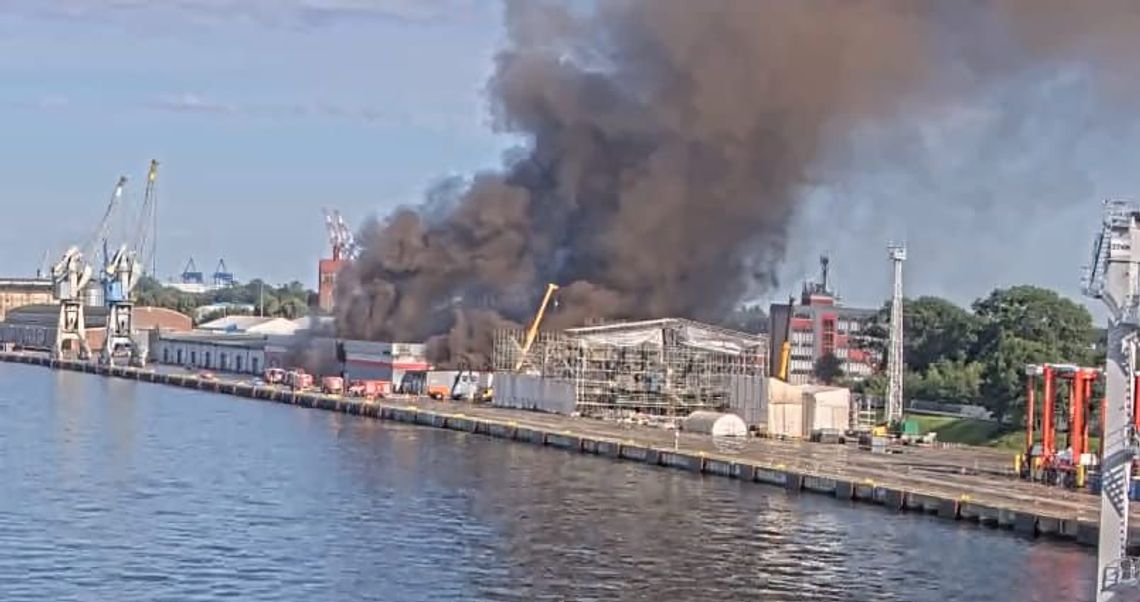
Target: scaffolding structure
[[663, 367]]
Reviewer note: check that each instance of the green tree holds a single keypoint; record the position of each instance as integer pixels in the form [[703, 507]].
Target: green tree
[[937, 331], [946, 381], [828, 368], [1023, 325]]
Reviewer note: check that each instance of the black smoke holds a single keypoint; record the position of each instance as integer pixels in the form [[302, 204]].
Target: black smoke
[[669, 143]]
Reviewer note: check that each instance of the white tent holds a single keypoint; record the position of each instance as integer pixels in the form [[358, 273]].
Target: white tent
[[715, 424]]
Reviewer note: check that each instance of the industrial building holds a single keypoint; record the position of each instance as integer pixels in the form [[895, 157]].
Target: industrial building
[[383, 361], [18, 292], [211, 351], [820, 325], [35, 326], [667, 367]]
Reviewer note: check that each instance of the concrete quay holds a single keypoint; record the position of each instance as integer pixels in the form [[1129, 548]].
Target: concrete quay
[[959, 484]]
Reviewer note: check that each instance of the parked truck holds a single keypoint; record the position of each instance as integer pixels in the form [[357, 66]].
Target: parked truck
[[332, 385], [369, 389], [299, 380], [275, 376], [470, 385]]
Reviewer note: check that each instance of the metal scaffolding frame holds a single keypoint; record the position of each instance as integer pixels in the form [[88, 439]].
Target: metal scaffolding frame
[[665, 367]]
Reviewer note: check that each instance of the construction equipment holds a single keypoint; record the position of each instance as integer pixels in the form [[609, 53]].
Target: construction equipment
[[70, 276], [532, 332], [1044, 462], [786, 345]]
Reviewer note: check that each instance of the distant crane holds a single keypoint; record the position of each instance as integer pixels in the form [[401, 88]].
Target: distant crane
[[344, 248], [897, 254], [191, 274], [340, 237], [70, 276], [223, 278]]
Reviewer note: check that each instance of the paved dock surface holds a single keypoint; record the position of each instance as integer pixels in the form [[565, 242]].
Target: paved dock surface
[[969, 483]]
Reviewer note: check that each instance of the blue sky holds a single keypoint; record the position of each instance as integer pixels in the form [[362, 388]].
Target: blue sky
[[264, 111], [260, 111]]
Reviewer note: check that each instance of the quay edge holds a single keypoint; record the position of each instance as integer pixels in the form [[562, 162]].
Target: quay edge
[[1022, 521]]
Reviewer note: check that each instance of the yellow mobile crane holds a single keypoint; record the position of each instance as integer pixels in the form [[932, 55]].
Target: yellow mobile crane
[[532, 332], [786, 346]]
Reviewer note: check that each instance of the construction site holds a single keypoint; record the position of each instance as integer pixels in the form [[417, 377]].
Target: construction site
[[666, 367]]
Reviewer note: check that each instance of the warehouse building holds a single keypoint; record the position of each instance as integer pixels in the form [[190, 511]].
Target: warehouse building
[[233, 352], [820, 325], [34, 326], [18, 292]]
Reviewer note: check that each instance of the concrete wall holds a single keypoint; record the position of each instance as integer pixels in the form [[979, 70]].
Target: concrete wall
[[528, 392]]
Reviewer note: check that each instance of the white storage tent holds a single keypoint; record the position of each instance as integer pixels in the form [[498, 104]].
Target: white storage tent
[[715, 424]]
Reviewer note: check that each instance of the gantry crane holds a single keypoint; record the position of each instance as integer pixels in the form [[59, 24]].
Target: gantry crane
[[1114, 277], [70, 276], [120, 275]]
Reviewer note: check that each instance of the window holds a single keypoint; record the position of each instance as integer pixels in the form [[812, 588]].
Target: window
[[222, 360], [165, 355], [238, 360], [207, 363], [254, 362], [179, 362]]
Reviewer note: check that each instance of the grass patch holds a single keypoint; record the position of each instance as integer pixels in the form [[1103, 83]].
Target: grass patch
[[970, 431]]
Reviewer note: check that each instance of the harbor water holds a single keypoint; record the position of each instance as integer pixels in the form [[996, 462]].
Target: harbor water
[[119, 490]]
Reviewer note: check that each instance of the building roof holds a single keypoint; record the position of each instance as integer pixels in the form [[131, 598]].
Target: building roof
[[95, 316], [229, 339], [38, 283], [248, 324], [684, 332], [318, 323]]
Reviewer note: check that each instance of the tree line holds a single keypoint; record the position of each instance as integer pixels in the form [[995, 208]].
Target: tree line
[[977, 355], [290, 300]]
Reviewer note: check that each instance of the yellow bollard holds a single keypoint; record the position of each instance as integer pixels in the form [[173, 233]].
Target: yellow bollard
[[1017, 464], [1080, 476]]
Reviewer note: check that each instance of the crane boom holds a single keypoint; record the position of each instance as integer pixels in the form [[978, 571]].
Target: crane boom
[[532, 332], [786, 345], [104, 227]]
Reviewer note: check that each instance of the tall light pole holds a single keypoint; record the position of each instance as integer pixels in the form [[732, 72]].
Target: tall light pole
[[897, 254]]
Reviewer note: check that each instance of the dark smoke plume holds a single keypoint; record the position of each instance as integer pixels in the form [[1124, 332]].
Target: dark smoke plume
[[668, 144]]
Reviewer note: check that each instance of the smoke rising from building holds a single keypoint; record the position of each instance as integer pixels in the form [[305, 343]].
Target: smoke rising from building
[[669, 145]]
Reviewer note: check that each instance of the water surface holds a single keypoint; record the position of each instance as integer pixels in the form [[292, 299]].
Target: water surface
[[116, 490]]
